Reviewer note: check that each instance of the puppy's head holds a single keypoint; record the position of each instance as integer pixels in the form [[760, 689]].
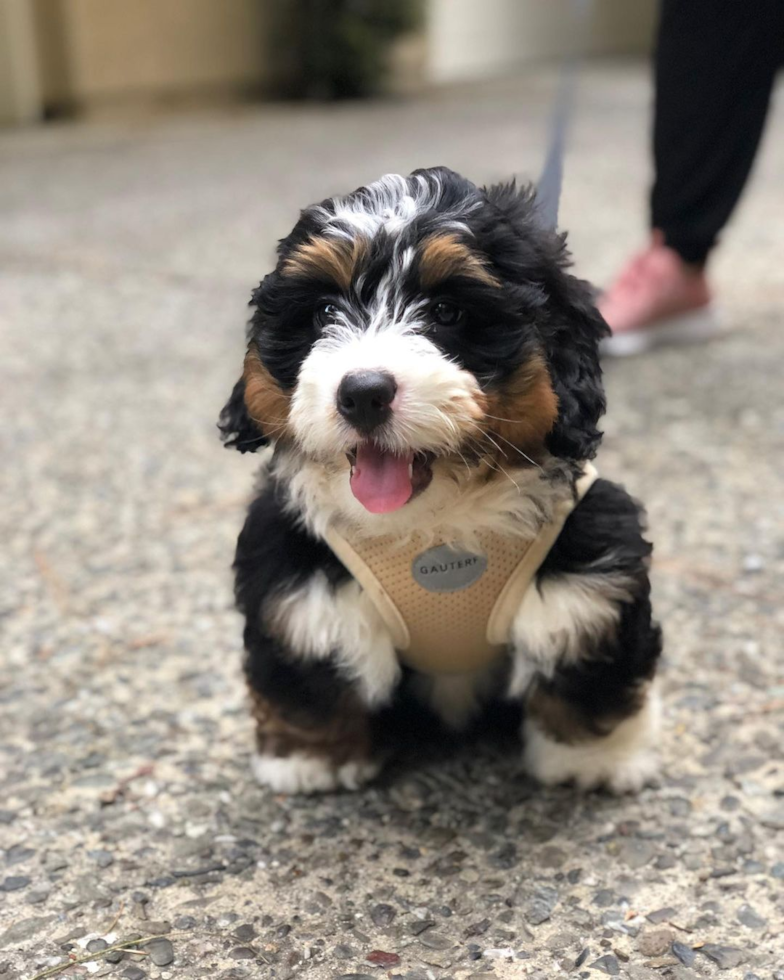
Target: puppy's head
[[414, 327]]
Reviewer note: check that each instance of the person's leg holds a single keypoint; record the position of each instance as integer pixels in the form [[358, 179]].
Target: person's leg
[[715, 65]]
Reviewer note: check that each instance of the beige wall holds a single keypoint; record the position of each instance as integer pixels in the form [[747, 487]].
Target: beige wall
[[474, 38], [95, 54], [20, 96], [102, 51]]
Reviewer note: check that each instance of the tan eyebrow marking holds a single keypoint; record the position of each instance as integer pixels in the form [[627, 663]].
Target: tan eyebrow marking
[[445, 255], [326, 258]]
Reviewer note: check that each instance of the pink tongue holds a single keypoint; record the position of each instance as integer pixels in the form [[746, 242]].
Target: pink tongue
[[380, 480]]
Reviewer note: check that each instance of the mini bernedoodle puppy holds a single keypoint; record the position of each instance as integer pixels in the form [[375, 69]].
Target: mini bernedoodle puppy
[[428, 524]]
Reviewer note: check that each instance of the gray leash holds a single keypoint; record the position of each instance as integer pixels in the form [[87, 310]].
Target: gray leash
[[549, 186]]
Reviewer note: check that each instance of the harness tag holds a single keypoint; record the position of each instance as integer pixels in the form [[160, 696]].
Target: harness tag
[[447, 569]]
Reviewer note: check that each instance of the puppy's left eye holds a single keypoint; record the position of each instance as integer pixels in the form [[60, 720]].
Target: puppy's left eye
[[445, 313], [325, 313]]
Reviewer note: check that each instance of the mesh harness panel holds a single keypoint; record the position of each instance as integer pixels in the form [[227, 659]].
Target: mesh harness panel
[[449, 610]]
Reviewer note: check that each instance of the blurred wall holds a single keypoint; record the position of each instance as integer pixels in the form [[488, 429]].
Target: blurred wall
[[470, 39], [104, 51], [20, 93], [94, 55]]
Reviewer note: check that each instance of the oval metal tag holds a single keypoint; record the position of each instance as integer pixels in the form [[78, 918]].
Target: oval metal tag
[[445, 569]]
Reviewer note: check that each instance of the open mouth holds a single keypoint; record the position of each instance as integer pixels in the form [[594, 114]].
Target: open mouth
[[383, 481]]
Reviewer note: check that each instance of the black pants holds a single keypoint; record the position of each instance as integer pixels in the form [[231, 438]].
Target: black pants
[[715, 66]]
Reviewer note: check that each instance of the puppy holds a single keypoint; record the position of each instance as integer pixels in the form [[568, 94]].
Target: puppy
[[426, 370]]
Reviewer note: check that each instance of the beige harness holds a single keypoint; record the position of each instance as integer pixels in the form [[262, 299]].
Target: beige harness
[[449, 610]]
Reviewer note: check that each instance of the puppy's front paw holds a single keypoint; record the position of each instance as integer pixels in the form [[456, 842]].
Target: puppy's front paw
[[623, 761], [300, 773], [587, 766]]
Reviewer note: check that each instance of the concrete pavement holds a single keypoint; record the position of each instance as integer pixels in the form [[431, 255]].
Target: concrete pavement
[[127, 253]]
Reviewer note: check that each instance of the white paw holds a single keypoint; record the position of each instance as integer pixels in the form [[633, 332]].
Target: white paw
[[300, 773], [623, 761], [588, 766], [631, 775]]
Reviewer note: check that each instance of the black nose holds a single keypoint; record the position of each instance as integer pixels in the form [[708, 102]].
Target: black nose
[[365, 397]]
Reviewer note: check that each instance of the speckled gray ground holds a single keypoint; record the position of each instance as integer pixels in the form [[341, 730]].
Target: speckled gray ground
[[127, 808]]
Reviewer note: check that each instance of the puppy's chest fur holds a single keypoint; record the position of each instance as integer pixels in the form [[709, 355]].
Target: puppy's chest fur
[[443, 627]]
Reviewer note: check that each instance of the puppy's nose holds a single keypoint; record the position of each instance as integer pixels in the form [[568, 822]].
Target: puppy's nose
[[365, 399]]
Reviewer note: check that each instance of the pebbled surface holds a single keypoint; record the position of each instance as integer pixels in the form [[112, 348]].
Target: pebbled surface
[[127, 809]]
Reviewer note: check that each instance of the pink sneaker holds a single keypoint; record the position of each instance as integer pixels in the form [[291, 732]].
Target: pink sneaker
[[657, 299]]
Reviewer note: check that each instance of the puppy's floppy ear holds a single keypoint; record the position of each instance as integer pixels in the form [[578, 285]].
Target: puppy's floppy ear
[[535, 260], [237, 428], [572, 350]]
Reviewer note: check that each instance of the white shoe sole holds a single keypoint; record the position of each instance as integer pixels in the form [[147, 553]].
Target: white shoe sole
[[697, 327]]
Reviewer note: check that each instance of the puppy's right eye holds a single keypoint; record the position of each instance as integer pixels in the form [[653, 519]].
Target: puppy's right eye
[[445, 313], [324, 314]]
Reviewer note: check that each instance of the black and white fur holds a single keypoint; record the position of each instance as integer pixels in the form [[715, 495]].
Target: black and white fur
[[347, 294]]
